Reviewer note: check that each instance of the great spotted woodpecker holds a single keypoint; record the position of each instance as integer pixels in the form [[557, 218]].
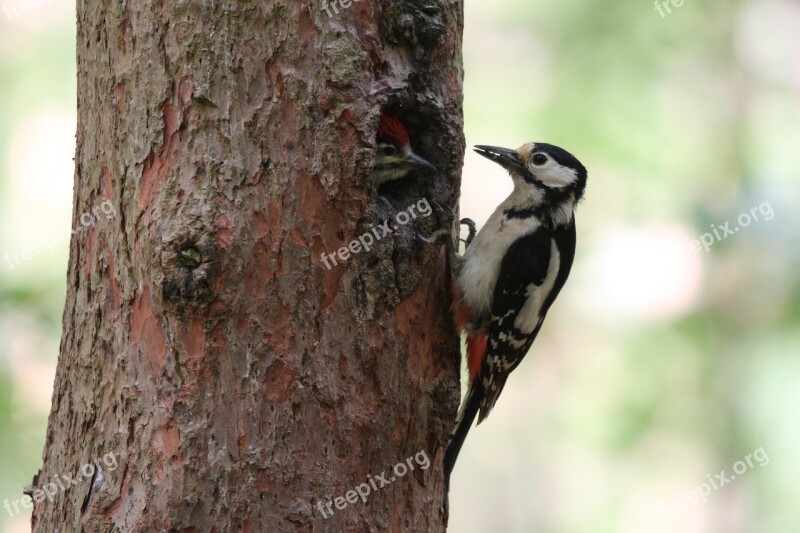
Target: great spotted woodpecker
[[512, 272], [394, 157]]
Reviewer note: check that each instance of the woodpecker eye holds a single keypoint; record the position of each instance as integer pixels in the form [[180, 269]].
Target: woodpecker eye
[[388, 150], [539, 159]]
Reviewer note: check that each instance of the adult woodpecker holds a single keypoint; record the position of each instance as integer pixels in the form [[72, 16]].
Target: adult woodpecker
[[394, 157], [512, 272]]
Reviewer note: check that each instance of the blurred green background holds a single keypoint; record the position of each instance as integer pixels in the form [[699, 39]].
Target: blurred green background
[[660, 365]]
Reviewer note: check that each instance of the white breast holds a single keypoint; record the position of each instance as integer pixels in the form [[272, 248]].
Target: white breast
[[478, 276]]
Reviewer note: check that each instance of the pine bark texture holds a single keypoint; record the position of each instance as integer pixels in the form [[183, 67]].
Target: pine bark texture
[[238, 381]]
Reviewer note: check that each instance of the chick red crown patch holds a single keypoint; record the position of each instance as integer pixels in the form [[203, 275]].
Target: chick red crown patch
[[391, 128]]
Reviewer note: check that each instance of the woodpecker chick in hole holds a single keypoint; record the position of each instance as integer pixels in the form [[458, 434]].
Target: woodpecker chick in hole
[[394, 157], [512, 272]]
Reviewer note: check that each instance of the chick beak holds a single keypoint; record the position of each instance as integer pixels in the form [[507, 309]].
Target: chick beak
[[418, 162], [505, 157]]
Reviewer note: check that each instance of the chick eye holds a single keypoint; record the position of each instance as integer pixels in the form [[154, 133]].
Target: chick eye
[[539, 159], [388, 150]]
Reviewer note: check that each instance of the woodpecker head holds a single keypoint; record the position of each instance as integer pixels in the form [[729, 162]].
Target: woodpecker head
[[394, 158], [545, 173]]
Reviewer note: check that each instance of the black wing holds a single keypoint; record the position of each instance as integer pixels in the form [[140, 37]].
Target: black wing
[[523, 280]]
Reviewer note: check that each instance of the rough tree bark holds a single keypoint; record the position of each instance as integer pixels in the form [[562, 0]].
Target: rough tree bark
[[238, 381]]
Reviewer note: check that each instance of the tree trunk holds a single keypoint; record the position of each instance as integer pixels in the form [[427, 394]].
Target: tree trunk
[[214, 374]]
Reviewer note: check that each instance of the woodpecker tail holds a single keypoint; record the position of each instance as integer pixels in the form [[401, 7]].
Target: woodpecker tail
[[466, 415]]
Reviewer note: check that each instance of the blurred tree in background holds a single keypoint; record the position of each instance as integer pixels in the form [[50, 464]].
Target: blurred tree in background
[[659, 365]]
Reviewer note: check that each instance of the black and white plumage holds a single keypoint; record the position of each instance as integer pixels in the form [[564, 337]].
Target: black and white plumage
[[513, 270]]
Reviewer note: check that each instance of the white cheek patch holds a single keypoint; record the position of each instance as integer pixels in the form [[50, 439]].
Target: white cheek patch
[[554, 175]]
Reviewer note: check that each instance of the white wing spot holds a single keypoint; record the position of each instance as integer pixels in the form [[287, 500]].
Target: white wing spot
[[530, 315]]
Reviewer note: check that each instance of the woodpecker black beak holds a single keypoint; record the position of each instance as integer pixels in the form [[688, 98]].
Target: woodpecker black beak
[[416, 161], [506, 158]]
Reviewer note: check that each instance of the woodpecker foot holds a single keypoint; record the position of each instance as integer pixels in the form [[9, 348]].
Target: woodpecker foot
[[472, 231], [434, 238], [442, 236]]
